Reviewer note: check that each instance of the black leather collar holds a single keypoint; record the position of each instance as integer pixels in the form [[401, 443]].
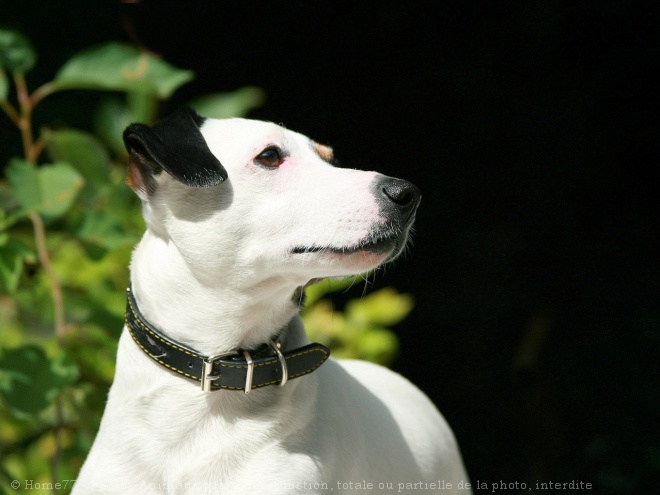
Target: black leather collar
[[233, 370]]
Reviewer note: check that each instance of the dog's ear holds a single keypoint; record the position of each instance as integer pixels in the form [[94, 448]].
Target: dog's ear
[[176, 145]]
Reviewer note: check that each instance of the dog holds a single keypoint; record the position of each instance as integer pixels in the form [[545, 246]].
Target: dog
[[217, 388]]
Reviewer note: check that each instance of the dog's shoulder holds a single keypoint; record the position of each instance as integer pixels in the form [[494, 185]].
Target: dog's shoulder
[[396, 393], [382, 409]]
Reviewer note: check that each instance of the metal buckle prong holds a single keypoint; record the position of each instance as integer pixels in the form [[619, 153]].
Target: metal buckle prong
[[207, 369], [285, 372], [250, 372]]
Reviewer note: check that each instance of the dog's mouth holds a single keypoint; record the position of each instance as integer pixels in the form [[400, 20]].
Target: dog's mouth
[[387, 243]]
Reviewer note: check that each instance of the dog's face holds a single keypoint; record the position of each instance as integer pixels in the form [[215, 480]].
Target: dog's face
[[245, 197]]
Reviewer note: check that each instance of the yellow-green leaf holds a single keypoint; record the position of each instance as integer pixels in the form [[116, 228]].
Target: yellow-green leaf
[[315, 292], [384, 307], [378, 345]]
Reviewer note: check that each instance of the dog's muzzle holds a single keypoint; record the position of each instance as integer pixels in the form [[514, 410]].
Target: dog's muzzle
[[397, 202]]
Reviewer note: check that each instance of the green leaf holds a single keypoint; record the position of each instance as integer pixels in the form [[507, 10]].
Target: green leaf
[[23, 178], [143, 106], [224, 105], [11, 267], [64, 369], [82, 150], [16, 52], [121, 67], [103, 231], [110, 119], [384, 307], [8, 203], [12, 257], [49, 190], [59, 185], [30, 380]]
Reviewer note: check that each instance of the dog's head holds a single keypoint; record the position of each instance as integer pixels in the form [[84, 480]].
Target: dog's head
[[254, 198]]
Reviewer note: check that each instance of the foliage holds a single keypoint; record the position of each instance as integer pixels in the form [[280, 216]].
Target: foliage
[[361, 330], [67, 228]]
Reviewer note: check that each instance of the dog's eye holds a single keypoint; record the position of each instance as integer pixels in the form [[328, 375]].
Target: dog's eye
[[270, 157]]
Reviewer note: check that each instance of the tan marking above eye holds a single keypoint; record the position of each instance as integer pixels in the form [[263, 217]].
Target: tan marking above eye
[[325, 152]]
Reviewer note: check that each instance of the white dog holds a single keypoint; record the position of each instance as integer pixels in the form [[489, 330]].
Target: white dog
[[241, 215]]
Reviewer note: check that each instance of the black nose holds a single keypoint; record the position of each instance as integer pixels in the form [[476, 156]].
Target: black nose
[[401, 195]]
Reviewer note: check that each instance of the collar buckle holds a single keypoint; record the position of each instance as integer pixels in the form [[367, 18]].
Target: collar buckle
[[207, 369]]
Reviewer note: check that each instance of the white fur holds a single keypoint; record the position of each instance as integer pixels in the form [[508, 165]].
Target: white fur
[[215, 270]]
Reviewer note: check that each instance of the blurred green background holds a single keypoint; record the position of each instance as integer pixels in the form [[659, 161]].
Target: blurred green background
[[531, 128]]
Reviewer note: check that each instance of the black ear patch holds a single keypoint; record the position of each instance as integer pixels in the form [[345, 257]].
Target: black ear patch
[[176, 145]]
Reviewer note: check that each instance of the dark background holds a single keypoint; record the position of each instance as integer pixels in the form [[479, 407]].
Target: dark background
[[532, 129]]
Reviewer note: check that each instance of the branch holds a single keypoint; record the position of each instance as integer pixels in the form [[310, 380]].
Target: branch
[[11, 112], [35, 150], [55, 286], [43, 91], [24, 122]]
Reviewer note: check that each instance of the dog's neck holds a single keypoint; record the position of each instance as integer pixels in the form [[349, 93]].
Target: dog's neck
[[208, 312]]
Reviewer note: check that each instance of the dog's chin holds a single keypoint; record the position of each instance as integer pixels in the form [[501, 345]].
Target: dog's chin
[[357, 258]]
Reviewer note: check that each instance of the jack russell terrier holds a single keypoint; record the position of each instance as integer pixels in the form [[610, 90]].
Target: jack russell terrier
[[217, 388]]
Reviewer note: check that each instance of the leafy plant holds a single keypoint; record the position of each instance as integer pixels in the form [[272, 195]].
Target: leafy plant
[[361, 330], [67, 227]]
